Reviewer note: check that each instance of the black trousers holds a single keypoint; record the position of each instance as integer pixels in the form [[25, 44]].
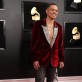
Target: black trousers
[[48, 72]]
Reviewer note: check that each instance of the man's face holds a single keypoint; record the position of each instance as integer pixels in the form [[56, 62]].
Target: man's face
[[52, 11]]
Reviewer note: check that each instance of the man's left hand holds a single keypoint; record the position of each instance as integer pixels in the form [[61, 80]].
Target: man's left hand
[[61, 64]]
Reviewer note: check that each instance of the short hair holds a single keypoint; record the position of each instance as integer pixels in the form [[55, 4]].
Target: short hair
[[49, 4]]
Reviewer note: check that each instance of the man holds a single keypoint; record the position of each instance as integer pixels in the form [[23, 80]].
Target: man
[[47, 46]]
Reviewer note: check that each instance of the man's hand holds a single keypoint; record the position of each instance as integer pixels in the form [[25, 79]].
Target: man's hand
[[61, 64], [36, 65]]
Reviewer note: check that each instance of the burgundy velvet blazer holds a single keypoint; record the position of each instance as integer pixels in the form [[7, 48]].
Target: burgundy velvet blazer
[[41, 49]]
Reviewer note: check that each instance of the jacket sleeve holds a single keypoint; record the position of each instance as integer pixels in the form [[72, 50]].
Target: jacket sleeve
[[60, 46], [35, 40]]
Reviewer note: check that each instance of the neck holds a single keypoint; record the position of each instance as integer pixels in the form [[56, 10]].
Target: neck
[[49, 21]]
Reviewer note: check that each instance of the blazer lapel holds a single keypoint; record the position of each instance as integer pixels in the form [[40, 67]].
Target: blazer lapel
[[55, 35], [46, 33]]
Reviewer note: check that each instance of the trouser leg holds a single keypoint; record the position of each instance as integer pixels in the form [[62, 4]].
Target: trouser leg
[[40, 74], [51, 72]]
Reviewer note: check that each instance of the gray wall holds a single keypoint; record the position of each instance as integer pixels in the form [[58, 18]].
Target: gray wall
[[10, 58]]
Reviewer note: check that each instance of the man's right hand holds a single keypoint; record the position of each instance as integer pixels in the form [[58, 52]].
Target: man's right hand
[[36, 65]]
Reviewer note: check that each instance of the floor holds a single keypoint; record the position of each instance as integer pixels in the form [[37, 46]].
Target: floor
[[60, 79]]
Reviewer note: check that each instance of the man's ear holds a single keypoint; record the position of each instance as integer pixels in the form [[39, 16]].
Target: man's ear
[[46, 11]]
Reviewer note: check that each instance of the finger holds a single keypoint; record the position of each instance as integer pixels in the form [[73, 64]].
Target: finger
[[61, 66], [36, 67]]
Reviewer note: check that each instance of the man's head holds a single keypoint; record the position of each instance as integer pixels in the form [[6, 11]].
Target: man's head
[[52, 10]]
